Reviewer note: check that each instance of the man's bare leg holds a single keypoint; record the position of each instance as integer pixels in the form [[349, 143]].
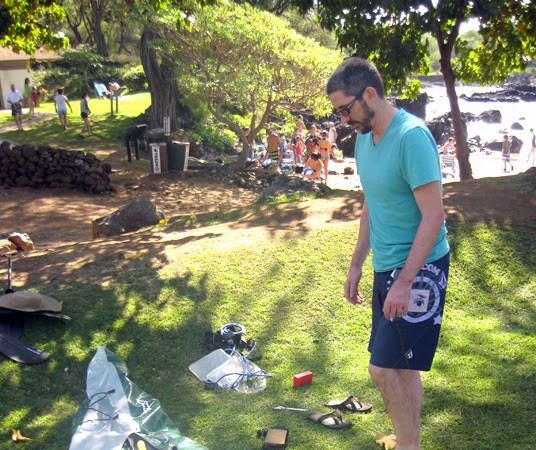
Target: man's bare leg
[[402, 394], [18, 122]]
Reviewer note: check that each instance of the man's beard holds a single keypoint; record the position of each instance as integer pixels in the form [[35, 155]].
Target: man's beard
[[364, 126]]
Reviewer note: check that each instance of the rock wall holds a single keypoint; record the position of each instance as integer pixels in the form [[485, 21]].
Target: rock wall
[[45, 167]]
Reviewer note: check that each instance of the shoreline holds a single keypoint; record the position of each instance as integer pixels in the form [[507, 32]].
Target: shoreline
[[483, 166]]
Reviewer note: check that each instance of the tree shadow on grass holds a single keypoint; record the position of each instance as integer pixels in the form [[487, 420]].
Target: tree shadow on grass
[[156, 323]]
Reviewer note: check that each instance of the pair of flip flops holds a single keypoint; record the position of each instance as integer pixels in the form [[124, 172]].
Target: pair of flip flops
[[334, 419]]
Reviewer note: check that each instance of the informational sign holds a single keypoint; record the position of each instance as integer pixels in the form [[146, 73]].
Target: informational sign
[[166, 125], [155, 158]]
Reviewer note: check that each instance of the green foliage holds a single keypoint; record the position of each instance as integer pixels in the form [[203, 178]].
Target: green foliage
[[390, 34], [307, 26], [216, 138], [78, 70], [507, 44], [43, 94], [433, 52], [26, 25], [247, 62], [134, 79]]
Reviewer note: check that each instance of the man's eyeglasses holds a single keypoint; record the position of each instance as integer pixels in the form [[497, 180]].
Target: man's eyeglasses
[[345, 110]]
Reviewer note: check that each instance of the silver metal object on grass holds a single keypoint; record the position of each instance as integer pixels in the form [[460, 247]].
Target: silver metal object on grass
[[288, 408]]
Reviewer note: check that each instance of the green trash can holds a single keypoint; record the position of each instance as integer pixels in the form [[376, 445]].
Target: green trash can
[[178, 153]]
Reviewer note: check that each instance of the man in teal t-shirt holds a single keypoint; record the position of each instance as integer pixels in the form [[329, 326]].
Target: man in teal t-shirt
[[402, 221]]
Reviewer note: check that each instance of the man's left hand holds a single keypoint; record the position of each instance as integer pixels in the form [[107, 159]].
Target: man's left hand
[[397, 300]]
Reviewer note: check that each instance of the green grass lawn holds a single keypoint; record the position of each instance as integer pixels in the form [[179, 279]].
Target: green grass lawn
[[288, 295], [107, 129]]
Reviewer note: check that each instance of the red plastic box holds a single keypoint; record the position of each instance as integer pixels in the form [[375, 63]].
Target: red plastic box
[[303, 378]]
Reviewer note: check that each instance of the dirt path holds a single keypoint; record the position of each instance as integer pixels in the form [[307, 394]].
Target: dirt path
[[58, 220]]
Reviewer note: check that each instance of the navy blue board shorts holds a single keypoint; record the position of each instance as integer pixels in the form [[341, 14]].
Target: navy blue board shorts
[[409, 342]]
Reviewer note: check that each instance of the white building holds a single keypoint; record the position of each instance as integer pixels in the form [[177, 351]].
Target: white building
[[15, 68]]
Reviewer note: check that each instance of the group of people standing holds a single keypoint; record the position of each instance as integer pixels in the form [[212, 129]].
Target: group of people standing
[[15, 99], [311, 148], [320, 149]]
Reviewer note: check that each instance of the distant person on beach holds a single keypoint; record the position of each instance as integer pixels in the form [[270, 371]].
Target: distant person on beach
[[532, 150], [448, 148], [505, 150], [332, 133], [273, 149], [313, 167], [60, 104], [15, 98], [300, 125]]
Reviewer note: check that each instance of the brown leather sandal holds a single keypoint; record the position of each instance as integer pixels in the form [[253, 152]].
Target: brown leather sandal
[[352, 403]]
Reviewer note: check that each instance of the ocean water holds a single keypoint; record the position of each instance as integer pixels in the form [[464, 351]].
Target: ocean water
[[483, 164], [521, 112]]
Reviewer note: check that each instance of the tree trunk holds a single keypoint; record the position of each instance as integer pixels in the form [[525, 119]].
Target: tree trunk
[[74, 28], [460, 133], [249, 141], [100, 41], [162, 83], [122, 38], [240, 163]]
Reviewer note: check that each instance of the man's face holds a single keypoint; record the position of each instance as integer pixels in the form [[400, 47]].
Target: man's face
[[353, 110], [13, 87]]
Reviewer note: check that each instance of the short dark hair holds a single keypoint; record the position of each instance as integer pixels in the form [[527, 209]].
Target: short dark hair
[[315, 156], [353, 75], [60, 91]]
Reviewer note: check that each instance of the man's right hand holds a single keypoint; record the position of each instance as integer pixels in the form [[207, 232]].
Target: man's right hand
[[351, 287]]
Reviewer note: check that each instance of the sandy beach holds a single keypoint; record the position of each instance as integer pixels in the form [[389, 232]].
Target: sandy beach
[[483, 166]]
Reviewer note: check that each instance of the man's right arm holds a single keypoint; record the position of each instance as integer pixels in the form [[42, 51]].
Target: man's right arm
[[362, 249]]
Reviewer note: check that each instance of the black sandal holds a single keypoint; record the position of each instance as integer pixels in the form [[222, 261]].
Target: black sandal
[[332, 420]]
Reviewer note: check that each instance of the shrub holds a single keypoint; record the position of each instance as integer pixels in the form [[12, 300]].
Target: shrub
[[43, 94], [77, 72], [219, 139], [134, 79]]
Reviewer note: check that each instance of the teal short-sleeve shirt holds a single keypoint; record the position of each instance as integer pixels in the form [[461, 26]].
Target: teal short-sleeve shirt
[[405, 158]]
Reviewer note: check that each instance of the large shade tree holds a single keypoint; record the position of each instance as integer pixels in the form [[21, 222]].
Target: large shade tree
[[152, 20], [25, 25], [389, 33], [160, 19], [245, 62]]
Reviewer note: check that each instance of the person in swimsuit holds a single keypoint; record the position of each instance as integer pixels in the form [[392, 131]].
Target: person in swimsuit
[[313, 167]]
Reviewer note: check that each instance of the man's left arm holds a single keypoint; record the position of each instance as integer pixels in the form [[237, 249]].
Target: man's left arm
[[430, 203]]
